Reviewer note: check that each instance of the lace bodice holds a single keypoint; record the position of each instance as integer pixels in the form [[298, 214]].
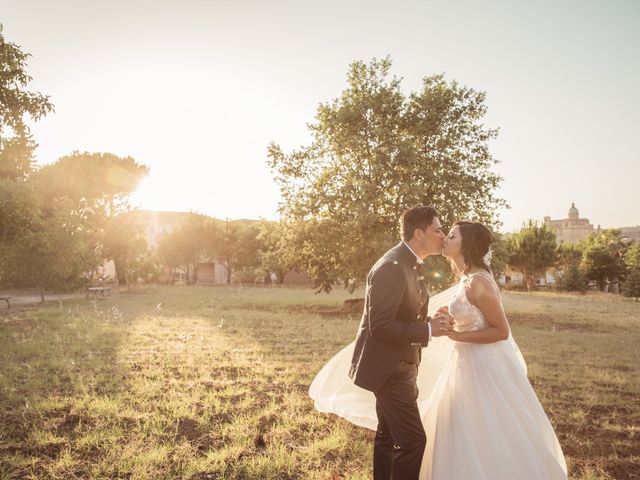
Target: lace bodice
[[467, 317]]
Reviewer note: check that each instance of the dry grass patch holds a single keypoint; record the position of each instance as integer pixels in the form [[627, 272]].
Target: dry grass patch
[[211, 383]]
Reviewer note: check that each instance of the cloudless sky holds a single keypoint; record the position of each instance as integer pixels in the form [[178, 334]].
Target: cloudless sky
[[198, 89]]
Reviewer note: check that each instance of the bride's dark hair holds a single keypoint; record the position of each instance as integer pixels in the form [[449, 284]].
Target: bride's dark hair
[[476, 240]]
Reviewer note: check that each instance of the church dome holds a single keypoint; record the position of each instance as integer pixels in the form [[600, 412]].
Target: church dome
[[573, 212]]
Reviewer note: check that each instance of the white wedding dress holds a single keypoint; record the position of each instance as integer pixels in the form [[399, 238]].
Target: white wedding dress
[[482, 418]]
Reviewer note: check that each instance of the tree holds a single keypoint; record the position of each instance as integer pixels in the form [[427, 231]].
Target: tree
[[145, 267], [70, 199], [499, 255], [569, 274], [124, 243], [55, 213], [632, 256], [53, 254], [18, 210], [170, 253], [599, 264], [20, 225], [249, 246], [98, 184], [276, 254], [532, 251], [375, 152], [225, 246], [188, 243], [631, 285], [603, 257], [17, 103]]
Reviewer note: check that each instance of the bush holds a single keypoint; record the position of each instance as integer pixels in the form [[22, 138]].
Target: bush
[[572, 279], [631, 286], [514, 287], [248, 275]]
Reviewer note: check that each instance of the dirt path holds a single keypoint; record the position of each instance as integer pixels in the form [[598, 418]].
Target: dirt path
[[25, 298]]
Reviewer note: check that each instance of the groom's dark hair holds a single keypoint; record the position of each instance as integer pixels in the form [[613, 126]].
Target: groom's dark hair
[[419, 216]]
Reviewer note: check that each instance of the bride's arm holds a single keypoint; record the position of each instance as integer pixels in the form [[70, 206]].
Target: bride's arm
[[482, 294]]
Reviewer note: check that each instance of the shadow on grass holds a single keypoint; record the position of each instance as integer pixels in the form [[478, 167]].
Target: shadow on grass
[[53, 360]]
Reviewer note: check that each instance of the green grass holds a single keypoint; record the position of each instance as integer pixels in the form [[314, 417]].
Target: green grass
[[211, 382]]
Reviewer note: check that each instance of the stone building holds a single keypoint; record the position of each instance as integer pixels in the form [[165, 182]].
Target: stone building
[[572, 229], [631, 234]]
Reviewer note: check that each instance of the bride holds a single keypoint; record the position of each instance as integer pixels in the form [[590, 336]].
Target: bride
[[481, 415]]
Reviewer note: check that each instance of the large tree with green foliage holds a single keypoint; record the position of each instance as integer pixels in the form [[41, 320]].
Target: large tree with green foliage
[[376, 151], [532, 251], [64, 203], [52, 255], [83, 189]]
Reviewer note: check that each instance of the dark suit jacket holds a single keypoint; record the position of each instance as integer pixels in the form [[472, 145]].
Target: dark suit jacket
[[394, 321]]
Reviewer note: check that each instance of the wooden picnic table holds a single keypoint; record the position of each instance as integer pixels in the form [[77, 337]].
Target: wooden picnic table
[[99, 291], [6, 298]]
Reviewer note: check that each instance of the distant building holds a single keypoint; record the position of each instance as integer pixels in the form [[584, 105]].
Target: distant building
[[575, 229], [631, 234], [570, 230]]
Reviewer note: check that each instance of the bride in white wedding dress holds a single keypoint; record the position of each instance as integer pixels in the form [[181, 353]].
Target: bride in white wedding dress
[[481, 415]]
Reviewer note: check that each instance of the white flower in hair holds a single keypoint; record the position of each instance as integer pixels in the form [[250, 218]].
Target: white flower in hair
[[487, 258]]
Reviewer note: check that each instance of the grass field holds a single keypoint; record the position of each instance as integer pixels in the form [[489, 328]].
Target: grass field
[[211, 382]]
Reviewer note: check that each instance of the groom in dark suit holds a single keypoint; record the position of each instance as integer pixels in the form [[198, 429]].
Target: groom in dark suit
[[393, 330]]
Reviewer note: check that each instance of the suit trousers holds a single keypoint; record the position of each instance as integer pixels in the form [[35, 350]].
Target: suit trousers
[[400, 437]]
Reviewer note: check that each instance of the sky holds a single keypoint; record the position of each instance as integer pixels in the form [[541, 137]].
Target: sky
[[197, 90]]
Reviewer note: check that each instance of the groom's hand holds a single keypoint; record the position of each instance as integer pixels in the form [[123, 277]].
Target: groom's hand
[[441, 324]]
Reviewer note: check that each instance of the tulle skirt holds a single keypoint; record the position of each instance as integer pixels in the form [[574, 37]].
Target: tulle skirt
[[486, 422]]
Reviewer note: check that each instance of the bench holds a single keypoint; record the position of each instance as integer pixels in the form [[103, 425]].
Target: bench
[[6, 299], [99, 291]]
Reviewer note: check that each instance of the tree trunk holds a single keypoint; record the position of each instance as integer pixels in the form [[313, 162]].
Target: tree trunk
[[281, 276], [188, 276], [121, 275], [41, 293], [229, 274], [527, 282]]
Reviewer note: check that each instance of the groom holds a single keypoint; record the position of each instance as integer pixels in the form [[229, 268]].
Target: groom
[[393, 330]]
